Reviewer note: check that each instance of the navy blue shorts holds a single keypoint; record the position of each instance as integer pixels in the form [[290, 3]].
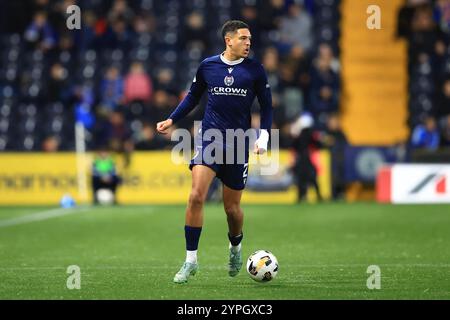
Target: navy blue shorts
[[233, 175]]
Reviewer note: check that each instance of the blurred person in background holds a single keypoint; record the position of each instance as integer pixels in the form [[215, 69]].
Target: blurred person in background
[[442, 104], [111, 89], [147, 139], [304, 170], [294, 81], [58, 88], [118, 35], [442, 15], [195, 33], [445, 131], [271, 63], [335, 140], [40, 33], [270, 13], [104, 174], [426, 135], [138, 85], [406, 15], [162, 105], [324, 92], [325, 52], [86, 37], [165, 78], [296, 29], [50, 144], [120, 10], [144, 24], [424, 32], [113, 131]]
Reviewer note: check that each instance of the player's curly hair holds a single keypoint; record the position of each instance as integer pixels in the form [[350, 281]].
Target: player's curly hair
[[232, 26]]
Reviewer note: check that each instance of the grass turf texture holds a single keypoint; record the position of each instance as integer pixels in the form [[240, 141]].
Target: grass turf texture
[[133, 252]]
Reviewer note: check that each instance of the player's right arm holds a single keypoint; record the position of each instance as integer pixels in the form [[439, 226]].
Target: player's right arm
[[189, 102]]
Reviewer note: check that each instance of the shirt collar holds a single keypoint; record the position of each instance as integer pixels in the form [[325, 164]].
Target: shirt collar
[[230, 63]]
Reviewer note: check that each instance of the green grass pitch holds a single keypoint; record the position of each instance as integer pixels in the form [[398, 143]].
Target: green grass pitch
[[133, 252]]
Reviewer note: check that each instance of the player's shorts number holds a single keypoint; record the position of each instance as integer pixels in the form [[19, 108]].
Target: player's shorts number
[[245, 174]]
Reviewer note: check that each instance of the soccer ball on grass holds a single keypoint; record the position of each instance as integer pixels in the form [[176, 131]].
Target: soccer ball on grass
[[262, 266]]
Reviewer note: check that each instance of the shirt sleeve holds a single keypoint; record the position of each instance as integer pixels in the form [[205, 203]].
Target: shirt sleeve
[[189, 102], [264, 95]]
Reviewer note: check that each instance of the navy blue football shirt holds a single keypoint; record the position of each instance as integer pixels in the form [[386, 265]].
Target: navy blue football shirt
[[232, 86]]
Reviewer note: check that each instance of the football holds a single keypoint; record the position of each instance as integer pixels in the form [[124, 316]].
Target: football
[[262, 266], [105, 197]]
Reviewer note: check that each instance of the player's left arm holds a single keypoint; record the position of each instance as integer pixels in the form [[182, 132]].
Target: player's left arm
[[264, 95]]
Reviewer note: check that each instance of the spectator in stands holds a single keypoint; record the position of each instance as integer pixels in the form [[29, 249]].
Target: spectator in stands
[[144, 24], [138, 85], [195, 33], [58, 89], [104, 175], [118, 36], [66, 45], [324, 90], [325, 52], [442, 104], [270, 13], [111, 90], [40, 33], [113, 131], [121, 10], [405, 17], [50, 144], [270, 60], [84, 105], [424, 33], [86, 36], [162, 106], [445, 131], [165, 80], [442, 15], [426, 135], [57, 13], [296, 29], [443, 113], [148, 140]]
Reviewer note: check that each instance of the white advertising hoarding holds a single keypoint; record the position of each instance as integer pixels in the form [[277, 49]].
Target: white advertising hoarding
[[420, 183]]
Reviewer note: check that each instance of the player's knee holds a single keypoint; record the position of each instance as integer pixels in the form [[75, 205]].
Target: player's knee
[[196, 198], [232, 210]]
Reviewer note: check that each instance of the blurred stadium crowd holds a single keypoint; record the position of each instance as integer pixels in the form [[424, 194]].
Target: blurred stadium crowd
[[425, 25], [132, 61]]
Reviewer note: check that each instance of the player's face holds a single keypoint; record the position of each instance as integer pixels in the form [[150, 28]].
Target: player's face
[[240, 43]]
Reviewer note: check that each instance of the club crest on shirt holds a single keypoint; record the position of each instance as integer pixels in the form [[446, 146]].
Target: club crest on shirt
[[229, 80]]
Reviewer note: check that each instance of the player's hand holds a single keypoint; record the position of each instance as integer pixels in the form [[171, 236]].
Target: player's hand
[[163, 126], [258, 150], [261, 143]]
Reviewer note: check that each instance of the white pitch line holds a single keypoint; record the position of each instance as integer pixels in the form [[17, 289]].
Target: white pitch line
[[42, 215]]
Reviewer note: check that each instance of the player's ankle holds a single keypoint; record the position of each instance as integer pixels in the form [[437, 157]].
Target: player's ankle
[[235, 249], [191, 256]]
